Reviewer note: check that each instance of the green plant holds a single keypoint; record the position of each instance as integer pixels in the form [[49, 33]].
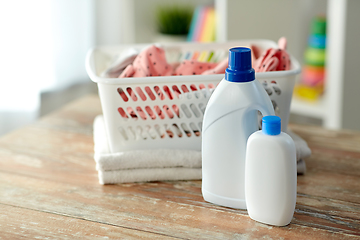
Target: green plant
[[174, 19]]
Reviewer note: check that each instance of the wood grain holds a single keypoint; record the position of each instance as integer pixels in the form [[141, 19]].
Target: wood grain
[[48, 178], [21, 223]]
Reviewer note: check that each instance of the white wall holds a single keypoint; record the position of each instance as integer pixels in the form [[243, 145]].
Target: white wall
[[351, 96], [115, 22], [272, 20], [43, 47], [73, 28]]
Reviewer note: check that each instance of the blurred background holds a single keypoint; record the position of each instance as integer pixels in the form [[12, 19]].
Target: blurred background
[[44, 45]]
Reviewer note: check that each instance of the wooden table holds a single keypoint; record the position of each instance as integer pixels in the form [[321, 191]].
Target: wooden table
[[49, 188]]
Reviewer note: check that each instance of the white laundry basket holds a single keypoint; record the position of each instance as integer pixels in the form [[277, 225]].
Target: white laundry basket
[[167, 112]]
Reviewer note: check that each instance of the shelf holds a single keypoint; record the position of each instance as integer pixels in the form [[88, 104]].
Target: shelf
[[310, 109]]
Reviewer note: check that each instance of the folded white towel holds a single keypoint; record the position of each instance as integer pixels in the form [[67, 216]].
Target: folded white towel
[[158, 164], [142, 165], [156, 158], [302, 149], [149, 174]]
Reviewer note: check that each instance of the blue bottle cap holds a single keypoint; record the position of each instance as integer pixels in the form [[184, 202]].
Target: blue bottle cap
[[271, 125], [239, 69]]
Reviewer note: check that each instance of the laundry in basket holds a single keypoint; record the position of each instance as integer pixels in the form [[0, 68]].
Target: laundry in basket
[[174, 120]]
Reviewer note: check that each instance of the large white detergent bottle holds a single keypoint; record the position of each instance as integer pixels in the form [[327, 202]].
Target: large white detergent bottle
[[230, 118]]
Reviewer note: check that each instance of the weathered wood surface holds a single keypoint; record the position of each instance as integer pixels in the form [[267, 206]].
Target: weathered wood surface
[[49, 189]]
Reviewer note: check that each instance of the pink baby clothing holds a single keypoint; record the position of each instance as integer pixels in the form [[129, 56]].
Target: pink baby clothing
[[218, 69], [274, 59], [150, 62], [193, 67]]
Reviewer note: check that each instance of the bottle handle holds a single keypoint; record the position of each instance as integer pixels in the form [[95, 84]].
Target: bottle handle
[[265, 111]]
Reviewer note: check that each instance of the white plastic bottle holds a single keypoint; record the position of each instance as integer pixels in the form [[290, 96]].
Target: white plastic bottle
[[230, 117], [270, 174]]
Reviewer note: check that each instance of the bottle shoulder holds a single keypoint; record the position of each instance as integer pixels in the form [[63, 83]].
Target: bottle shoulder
[[282, 140], [229, 97], [236, 92], [278, 150], [260, 135]]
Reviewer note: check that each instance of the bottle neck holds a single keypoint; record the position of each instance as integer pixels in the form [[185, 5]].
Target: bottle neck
[[240, 76]]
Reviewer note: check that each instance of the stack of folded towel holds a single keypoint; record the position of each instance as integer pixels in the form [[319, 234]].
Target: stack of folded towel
[[159, 164]]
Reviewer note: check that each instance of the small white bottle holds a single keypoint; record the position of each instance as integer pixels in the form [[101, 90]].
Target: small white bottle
[[270, 174]]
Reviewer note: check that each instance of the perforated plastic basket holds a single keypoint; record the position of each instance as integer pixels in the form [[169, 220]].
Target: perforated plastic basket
[[167, 112]]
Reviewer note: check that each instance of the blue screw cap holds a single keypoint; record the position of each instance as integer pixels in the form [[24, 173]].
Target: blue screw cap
[[239, 69], [271, 125]]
